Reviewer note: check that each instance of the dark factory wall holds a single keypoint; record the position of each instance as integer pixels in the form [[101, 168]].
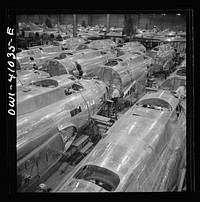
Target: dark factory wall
[[116, 20], [143, 21], [68, 19], [98, 19], [81, 17]]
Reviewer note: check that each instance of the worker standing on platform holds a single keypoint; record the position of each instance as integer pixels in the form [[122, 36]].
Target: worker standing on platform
[[78, 67], [181, 91], [115, 95]]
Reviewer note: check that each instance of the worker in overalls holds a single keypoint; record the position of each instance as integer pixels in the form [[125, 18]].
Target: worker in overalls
[[115, 96]]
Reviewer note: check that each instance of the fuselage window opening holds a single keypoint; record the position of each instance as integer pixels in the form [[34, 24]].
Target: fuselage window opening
[[111, 63], [154, 104], [156, 49], [61, 56], [77, 87], [100, 176], [79, 109], [72, 89], [119, 46], [178, 110], [46, 83], [69, 53], [75, 111], [103, 53], [72, 112], [69, 91]]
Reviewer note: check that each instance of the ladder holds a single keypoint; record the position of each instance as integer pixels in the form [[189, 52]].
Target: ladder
[[111, 111], [101, 124], [75, 147], [85, 148]]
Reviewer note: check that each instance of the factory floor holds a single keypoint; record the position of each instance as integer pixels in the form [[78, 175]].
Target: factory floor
[[57, 177]]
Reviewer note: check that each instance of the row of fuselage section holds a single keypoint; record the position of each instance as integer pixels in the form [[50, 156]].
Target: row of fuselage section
[[73, 50], [143, 150], [48, 118]]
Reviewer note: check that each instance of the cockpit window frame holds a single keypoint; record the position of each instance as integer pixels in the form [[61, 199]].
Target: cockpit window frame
[[45, 83], [69, 89], [111, 63], [101, 176], [156, 49], [150, 103]]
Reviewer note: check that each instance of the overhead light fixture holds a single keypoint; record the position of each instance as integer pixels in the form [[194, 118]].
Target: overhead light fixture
[[178, 14]]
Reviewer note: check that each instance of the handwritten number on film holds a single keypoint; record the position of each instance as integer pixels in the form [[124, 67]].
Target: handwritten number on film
[[11, 57]]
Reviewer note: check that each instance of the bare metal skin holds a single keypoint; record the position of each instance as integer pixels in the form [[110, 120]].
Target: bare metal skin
[[140, 151], [48, 118]]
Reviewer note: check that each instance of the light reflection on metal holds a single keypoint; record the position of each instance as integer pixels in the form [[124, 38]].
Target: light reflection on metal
[[27, 76], [122, 71], [87, 58], [162, 55], [130, 130], [138, 153], [45, 113]]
